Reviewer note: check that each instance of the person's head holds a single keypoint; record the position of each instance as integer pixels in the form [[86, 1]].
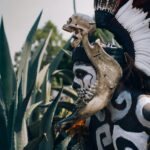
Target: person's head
[[85, 72]]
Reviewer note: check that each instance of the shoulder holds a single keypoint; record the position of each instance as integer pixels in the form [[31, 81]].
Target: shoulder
[[143, 110]]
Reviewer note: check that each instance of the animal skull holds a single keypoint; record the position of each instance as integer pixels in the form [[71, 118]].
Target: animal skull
[[108, 71], [79, 24]]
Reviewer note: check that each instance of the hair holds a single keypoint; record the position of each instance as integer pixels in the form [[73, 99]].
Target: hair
[[134, 78]]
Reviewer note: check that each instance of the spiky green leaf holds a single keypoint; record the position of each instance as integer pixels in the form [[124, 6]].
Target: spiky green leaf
[[35, 62], [33, 145], [57, 60], [64, 144], [21, 111], [68, 91], [3, 123], [25, 56], [67, 105], [46, 126], [7, 74], [65, 74]]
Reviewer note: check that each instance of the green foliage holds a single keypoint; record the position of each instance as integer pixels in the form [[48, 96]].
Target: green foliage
[[32, 99], [55, 43], [27, 105]]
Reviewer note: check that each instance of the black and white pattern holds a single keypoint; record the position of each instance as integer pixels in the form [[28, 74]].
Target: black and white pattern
[[84, 83], [114, 133], [103, 136], [125, 99], [85, 76], [113, 129], [143, 112], [124, 140]]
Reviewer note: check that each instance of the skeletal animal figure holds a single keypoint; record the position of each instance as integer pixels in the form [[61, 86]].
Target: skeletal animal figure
[[108, 70], [79, 23]]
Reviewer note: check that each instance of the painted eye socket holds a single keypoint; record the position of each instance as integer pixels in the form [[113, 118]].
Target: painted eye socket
[[80, 73]]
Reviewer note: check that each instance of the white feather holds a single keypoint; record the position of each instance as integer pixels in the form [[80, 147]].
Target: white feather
[[146, 54], [135, 22], [142, 36], [140, 26], [124, 8], [144, 67]]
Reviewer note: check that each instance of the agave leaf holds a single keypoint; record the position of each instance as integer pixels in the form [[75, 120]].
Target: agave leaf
[[21, 111], [61, 136], [3, 123], [55, 64], [3, 127], [67, 52], [33, 145], [36, 60], [8, 84], [20, 96], [25, 56], [57, 60], [67, 105], [68, 43], [41, 76], [35, 63], [64, 144], [46, 126], [31, 109], [34, 129], [12, 118], [6, 69], [42, 51], [11, 123], [66, 75], [68, 91], [20, 127], [46, 90]]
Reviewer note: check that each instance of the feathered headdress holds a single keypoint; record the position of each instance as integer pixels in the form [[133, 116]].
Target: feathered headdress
[[130, 26]]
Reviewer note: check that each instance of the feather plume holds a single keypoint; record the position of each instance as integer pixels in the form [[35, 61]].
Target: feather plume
[[109, 6], [135, 21]]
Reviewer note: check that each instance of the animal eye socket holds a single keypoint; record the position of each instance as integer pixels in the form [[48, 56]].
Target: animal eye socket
[[69, 21]]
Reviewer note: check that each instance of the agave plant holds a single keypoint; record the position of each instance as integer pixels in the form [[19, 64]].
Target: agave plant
[[27, 108]]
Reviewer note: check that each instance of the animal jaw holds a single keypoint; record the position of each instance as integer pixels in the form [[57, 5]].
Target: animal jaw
[[80, 24], [85, 96], [109, 73], [108, 70]]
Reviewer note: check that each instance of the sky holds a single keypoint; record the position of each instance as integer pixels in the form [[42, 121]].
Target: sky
[[19, 15]]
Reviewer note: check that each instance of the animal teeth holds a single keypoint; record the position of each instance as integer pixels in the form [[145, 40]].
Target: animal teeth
[[85, 95]]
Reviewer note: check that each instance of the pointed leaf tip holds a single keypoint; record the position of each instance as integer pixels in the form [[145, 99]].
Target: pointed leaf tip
[[34, 28]]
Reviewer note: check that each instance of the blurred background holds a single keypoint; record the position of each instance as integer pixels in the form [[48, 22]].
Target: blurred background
[[19, 15]]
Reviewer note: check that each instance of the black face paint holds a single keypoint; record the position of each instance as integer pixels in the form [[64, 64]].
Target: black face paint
[[76, 86], [80, 74]]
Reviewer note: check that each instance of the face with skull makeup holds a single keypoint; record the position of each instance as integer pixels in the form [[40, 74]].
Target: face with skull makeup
[[84, 81]]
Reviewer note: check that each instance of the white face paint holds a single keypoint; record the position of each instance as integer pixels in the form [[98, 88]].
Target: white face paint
[[85, 75], [84, 82]]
